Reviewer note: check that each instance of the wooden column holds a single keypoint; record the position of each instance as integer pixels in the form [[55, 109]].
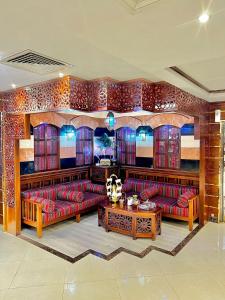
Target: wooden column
[[15, 127], [213, 158]]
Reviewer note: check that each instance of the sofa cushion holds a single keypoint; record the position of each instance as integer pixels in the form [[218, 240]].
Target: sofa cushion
[[96, 188], [149, 193], [46, 192], [78, 185], [48, 206], [138, 185], [182, 200], [169, 206], [65, 208], [126, 187], [165, 189], [62, 208], [75, 196]]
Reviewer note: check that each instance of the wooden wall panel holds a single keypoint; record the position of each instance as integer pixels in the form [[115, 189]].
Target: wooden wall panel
[[1, 193], [213, 158]]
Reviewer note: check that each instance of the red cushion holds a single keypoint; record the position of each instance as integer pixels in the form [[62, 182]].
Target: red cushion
[[74, 196], [48, 206], [149, 193], [169, 206], [182, 201], [126, 188], [96, 188]]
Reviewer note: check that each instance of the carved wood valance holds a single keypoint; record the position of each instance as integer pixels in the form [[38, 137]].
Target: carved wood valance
[[63, 94]]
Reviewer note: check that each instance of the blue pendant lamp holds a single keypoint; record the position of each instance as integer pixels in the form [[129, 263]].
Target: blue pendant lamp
[[110, 121]]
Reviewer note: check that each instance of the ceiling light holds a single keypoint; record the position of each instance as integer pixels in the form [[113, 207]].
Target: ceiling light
[[13, 85], [204, 18], [61, 74]]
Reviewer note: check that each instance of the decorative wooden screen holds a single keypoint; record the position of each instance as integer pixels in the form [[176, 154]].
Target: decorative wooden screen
[[1, 170], [126, 146], [46, 148], [84, 146], [167, 147]]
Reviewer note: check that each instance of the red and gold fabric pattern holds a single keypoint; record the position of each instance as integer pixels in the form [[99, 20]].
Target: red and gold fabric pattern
[[182, 200], [48, 206], [74, 196]]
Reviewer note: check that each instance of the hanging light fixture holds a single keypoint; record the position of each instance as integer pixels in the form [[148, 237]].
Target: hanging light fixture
[[142, 135], [69, 132], [110, 121]]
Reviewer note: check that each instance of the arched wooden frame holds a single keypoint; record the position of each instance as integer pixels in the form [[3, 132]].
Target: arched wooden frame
[[84, 146], [125, 147], [46, 148], [167, 147]]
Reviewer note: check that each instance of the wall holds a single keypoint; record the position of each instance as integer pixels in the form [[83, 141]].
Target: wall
[[144, 149]]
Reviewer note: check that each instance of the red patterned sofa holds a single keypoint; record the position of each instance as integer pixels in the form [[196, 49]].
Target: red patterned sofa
[[167, 197], [39, 212]]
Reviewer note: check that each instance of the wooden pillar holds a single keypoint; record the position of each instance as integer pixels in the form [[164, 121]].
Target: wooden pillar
[[15, 127]]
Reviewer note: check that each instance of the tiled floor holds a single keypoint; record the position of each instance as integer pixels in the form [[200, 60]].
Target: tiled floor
[[197, 272], [68, 237]]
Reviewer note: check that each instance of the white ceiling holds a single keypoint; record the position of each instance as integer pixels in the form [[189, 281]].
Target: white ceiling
[[104, 38]]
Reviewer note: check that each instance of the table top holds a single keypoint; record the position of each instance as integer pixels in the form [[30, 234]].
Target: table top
[[128, 208]]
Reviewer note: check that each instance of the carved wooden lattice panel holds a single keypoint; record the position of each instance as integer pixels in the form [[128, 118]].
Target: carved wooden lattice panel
[[13, 128], [120, 221], [51, 95], [79, 94], [144, 225]]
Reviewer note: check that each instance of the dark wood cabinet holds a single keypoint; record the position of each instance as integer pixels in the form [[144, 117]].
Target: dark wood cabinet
[[101, 173]]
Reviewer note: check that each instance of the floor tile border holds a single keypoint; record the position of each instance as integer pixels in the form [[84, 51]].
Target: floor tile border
[[110, 256]]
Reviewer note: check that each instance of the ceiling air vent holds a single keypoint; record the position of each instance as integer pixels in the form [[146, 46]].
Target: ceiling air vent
[[34, 62]]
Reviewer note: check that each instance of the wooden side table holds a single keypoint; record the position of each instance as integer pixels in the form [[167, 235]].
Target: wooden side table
[[101, 173]]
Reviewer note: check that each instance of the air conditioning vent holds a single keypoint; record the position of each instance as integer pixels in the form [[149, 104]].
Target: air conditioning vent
[[35, 62]]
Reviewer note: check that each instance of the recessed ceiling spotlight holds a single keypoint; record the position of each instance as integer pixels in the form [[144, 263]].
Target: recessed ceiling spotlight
[[61, 74], [13, 85], [204, 18]]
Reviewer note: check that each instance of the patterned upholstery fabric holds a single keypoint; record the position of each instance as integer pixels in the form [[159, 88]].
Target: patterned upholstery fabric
[[66, 208], [96, 188], [79, 185], [182, 200], [50, 192], [62, 209], [167, 194], [48, 206], [138, 185], [169, 206], [165, 189], [149, 193], [47, 193], [75, 196], [126, 187]]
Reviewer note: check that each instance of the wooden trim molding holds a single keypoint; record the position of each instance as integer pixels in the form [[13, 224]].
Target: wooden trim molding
[[195, 82]]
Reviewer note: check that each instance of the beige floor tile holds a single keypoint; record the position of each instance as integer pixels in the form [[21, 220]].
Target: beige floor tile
[[128, 266], [40, 272], [90, 268], [197, 286], [33, 293], [99, 290], [7, 273], [146, 288]]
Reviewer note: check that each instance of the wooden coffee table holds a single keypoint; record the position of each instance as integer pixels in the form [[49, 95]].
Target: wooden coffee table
[[130, 220]]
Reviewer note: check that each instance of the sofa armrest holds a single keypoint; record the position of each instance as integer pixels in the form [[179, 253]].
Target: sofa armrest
[[31, 211], [193, 205]]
